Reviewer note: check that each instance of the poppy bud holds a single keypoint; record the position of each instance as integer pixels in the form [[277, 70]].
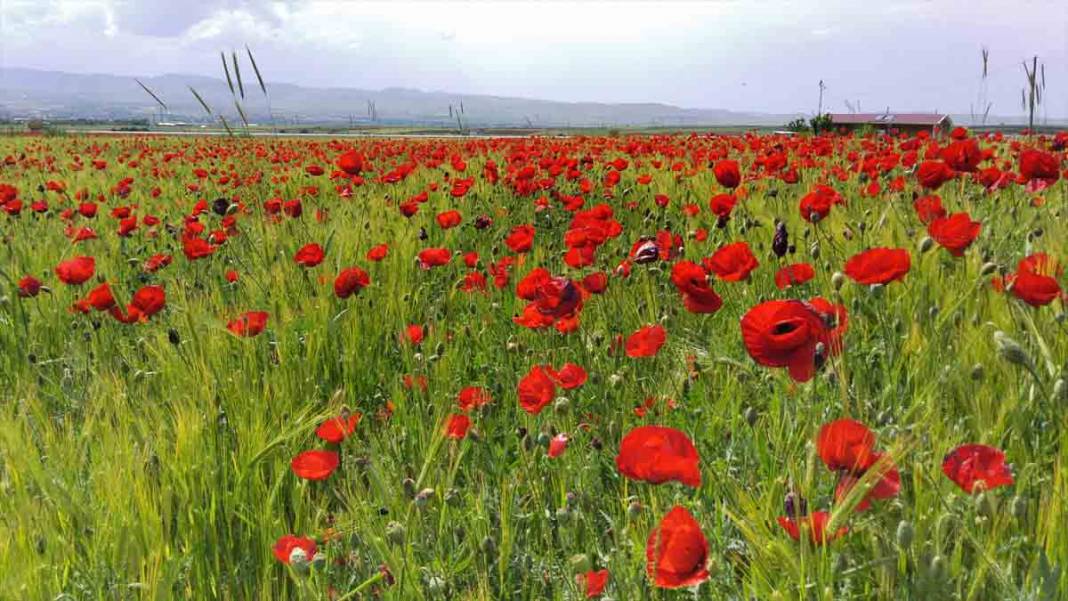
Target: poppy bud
[[814, 250], [423, 497], [988, 268], [452, 497], [614, 380], [1011, 351], [937, 568], [985, 505], [634, 509], [837, 280], [563, 515], [409, 487], [298, 559], [488, 546], [435, 585], [794, 505], [926, 244], [1019, 507], [977, 372], [751, 416], [561, 405], [905, 533], [877, 290], [1060, 390], [173, 337], [395, 533]]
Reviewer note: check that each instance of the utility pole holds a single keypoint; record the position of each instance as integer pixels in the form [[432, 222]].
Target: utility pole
[[819, 111]]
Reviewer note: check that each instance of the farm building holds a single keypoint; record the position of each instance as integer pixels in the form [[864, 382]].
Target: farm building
[[908, 123]]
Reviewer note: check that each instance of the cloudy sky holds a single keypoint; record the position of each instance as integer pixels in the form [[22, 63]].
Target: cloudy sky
[[743, 55]]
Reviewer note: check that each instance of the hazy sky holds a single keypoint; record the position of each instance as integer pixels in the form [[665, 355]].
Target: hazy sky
[[752, 55]]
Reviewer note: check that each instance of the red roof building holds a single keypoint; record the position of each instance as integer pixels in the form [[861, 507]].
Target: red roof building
[[909, 123]]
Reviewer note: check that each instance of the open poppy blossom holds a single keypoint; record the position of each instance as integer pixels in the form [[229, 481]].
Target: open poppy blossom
[[646, 341], [536, 390], [149, 300], [76, 271], [568, 376], [434, 257], [593, 583], [793, 334], [100, 298], [457, 426], [285, 546], [473, 397], [814, 525], [29, 286], [658, 454], [794, 275], [248, 325], [733, 262], [676, 553], [337, 429], [691, 280], [973, 466], [350, 281], [847, 447], [557, 445], [727, 173], [878, 265], [315, 465], [309, 255], [955, 233]]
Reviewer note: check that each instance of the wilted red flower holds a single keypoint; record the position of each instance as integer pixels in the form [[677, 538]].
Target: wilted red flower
[[350, 281], [658, 454], [878, 265], [676, 552], [315, 465], [646, 341], [536, 390], [727, 173], [337, 429], [434, 257], [815, 524], [309, 255], [794, 275], [955, 233], [283, 549], [975, 465], [457, 426], [76, 271], [593, 582], [249, 324], [732, 263]]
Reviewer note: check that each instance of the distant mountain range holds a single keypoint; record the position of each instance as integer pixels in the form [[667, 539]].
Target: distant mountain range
[[57, 95]]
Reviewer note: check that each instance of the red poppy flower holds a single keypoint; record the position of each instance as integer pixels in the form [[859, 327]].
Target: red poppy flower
[[878, 265], [350, 281], [962, 155], [691, 280], [29, 287], [593, 582], [434, 257], [521, 238], [157, 262], [473, 397], [846, 444], [733, 262], [315, 465], [928, 208], [414, 333], [727, 173], [196, 248], [976, 465], [149, 300], [448, 219], [309, 255], [1036, 164], [815, 524], [646, 341], [568, 377], [249, 324], [100, 298], [76, 271], [676, 552], [457, 426], [557, 445], [887, 486], [283, 549], [337, 429], [817, 204], [595, 283], [1035, 289], [721, 206], [377, 253], [932, 174], [536, 390], [794, 275], [786, 333], [351, 162], [658, 454], [955, 233]]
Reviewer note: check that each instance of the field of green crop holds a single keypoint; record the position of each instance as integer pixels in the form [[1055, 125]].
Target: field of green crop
[[479, 372]]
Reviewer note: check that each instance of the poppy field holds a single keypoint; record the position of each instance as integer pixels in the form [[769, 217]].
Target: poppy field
[[621, 367]]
